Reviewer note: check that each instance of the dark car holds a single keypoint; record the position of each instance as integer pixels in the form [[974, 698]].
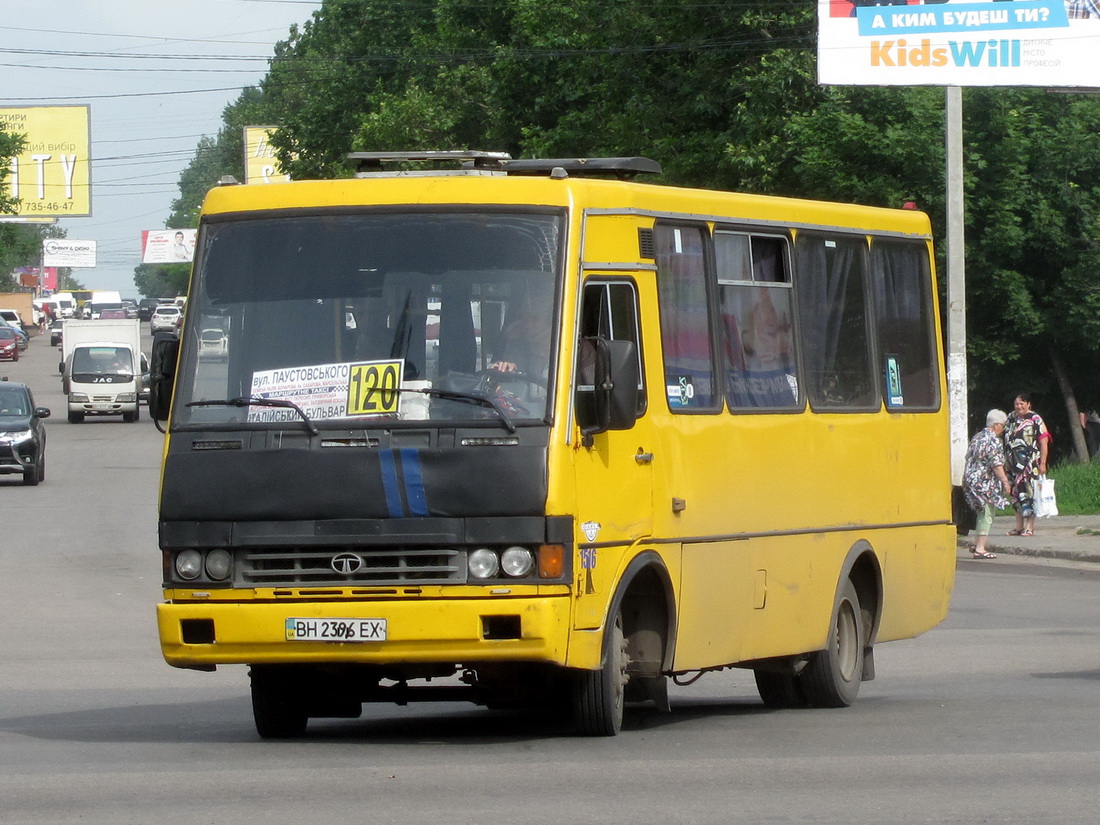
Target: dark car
[[55, 333], [9, 344], [146, 307], [22, 433]]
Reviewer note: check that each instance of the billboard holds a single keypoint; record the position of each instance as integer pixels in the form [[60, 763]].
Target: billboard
[[959, 42], [259, 156], [167, 246], [63, 252], [52, 176]]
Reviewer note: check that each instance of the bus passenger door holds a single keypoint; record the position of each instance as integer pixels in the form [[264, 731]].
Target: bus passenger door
[[614, 469]]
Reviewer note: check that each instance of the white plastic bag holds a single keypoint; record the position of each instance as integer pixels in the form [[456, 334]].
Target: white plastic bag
[[1046, 505]]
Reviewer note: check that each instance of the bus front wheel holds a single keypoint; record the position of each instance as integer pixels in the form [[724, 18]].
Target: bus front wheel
[[277, 704], [832, 676], [598, 695]]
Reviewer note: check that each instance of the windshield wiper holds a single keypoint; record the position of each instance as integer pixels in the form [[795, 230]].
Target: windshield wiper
[[470, 398], [452, 395], [259, 401]]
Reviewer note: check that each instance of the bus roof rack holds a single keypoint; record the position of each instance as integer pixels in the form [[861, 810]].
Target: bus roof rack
[[474, 162], [623, 168], [373, 163]]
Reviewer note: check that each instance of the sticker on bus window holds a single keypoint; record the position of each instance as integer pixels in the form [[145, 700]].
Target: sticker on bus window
[[681, 393], [373, 388], [323, 391], [894, 397]]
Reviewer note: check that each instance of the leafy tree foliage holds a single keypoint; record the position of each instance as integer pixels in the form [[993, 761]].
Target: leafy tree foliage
[[724, 95]]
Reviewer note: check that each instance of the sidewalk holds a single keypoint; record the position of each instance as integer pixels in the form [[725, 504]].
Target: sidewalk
[[1070, 538]]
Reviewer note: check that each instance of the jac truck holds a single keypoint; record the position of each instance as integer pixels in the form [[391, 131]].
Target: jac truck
[[101, 367]]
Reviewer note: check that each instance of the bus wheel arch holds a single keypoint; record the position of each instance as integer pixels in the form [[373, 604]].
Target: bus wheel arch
[[639, 634]]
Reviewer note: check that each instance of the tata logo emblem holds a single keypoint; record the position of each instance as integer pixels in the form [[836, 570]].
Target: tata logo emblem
[[346, 563]]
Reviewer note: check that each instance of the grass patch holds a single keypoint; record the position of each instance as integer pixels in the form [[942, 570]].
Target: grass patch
[[1078, 488]]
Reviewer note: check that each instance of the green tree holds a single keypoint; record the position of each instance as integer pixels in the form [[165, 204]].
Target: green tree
[[724, 95], [1032, 192]]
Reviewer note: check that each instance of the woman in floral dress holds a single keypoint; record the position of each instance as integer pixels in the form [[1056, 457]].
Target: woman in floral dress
[[984, 480], [1026, 443]]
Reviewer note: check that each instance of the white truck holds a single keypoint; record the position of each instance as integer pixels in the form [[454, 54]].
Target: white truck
[[101, 368], [101, 300]]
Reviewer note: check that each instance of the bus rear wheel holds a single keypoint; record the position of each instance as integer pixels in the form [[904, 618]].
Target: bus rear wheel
[[832, 676], [278, 705], [599, 695]]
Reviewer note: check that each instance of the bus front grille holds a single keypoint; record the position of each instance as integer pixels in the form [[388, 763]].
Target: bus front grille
[[336, 566]]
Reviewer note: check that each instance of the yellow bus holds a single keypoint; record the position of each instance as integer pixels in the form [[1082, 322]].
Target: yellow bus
[[536, 432]]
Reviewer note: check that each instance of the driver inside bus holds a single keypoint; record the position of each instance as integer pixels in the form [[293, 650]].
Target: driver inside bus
[[526, 347]]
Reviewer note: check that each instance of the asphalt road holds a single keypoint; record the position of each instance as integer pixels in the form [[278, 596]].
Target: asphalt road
[[993, 717]]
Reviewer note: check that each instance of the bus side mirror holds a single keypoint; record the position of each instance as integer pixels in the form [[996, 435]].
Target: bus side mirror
[[607, 392], [162, 374]]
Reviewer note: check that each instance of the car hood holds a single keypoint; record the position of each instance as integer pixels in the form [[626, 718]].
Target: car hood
[[14, 423]]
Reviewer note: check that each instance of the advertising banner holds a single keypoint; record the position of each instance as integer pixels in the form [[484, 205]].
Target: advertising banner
[[29, 277], [51, 177], [259, 156], [63, 252], [1051, 43], [167, 246]]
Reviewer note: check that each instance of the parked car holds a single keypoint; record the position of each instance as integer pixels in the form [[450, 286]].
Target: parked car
[[55, 332], [20, 333], [213, 345], [165, 318], [22, 433], [9, 344]]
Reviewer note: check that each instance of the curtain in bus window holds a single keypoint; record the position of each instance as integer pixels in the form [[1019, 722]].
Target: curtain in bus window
[[685, 328], [756, 321], [833, 319], [901, 283]]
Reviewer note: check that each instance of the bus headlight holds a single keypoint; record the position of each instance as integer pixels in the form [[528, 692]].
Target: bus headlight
[[517, 561], [189, 564], [483, 563], [218, 564]]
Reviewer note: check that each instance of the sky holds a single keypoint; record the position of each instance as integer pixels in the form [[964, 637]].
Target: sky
[[157, 75]]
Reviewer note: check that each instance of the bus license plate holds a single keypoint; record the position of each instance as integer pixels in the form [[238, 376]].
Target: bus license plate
[[336, 630]]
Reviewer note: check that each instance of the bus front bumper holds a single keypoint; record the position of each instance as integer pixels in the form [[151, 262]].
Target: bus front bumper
[[199, 635]]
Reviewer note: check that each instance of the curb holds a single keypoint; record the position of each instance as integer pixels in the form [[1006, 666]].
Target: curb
[[1066, 538]]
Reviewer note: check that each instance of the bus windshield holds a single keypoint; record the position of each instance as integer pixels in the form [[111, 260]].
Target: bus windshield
[[374, 317]]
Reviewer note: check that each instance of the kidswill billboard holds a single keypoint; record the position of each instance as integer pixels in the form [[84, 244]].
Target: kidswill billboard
[[954, 43]]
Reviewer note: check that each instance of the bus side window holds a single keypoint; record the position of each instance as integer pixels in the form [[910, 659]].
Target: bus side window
[[901, 282], [833, 318], [609, 310], [756, 321], [685, 321]]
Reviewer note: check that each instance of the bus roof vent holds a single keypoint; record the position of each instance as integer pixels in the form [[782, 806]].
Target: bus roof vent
[[622, 168], [433, 163]]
